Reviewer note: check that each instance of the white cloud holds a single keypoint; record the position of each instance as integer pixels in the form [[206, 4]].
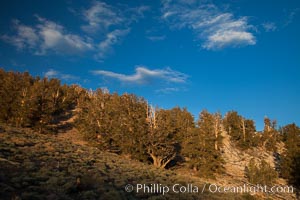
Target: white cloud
[[100, 16], [111, 38], [269, 26], [112, 23], [106, 26], [168, 14], [144, 75], [51, 73], [217, 29], [25, 36], [223, 39], [167, 90], [54, 37], [47, 36]]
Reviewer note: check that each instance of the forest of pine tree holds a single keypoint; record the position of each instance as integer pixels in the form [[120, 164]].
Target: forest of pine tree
[[127, 125]]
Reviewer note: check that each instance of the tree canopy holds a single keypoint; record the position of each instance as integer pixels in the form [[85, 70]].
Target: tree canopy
[[126, 124]]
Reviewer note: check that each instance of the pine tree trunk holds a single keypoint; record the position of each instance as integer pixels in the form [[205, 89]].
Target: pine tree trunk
[[244, 130], [217, 128]]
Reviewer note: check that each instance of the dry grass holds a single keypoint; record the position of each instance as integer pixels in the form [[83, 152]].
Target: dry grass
[[35, 166]]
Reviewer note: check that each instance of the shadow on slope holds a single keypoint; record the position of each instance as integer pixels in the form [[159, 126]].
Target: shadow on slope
[[35, 166]]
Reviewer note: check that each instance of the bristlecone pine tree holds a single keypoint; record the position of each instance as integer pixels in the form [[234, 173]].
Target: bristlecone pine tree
[[166, 131], [116, 123], [126, 124], [290, 162], [270, 135], [241, 130], [32, 102], [201, 146], [261, 173]]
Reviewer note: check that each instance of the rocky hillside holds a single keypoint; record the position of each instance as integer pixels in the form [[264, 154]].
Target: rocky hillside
[[237, 160], [64, 166], [36, 166]]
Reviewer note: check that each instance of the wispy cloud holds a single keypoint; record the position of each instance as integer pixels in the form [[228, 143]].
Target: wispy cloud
[[26, 37], [156, 38], [216, 29], [269, 26], [51, 73], [155, 34], [104, 26], [112, 22], [167, 90], [290, 16], [137, 13], [100, 16], [47, 36], [144, 76], [54, 37], [111, 38]]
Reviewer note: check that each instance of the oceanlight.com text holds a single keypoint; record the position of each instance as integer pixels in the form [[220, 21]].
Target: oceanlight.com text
[[157, 188], [246, 188]]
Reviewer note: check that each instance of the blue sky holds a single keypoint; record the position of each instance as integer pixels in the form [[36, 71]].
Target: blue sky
[[216, 55]]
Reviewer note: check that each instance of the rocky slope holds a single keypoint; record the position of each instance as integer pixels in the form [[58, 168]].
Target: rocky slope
[[236, 161], [63, 166], [35, 166]]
